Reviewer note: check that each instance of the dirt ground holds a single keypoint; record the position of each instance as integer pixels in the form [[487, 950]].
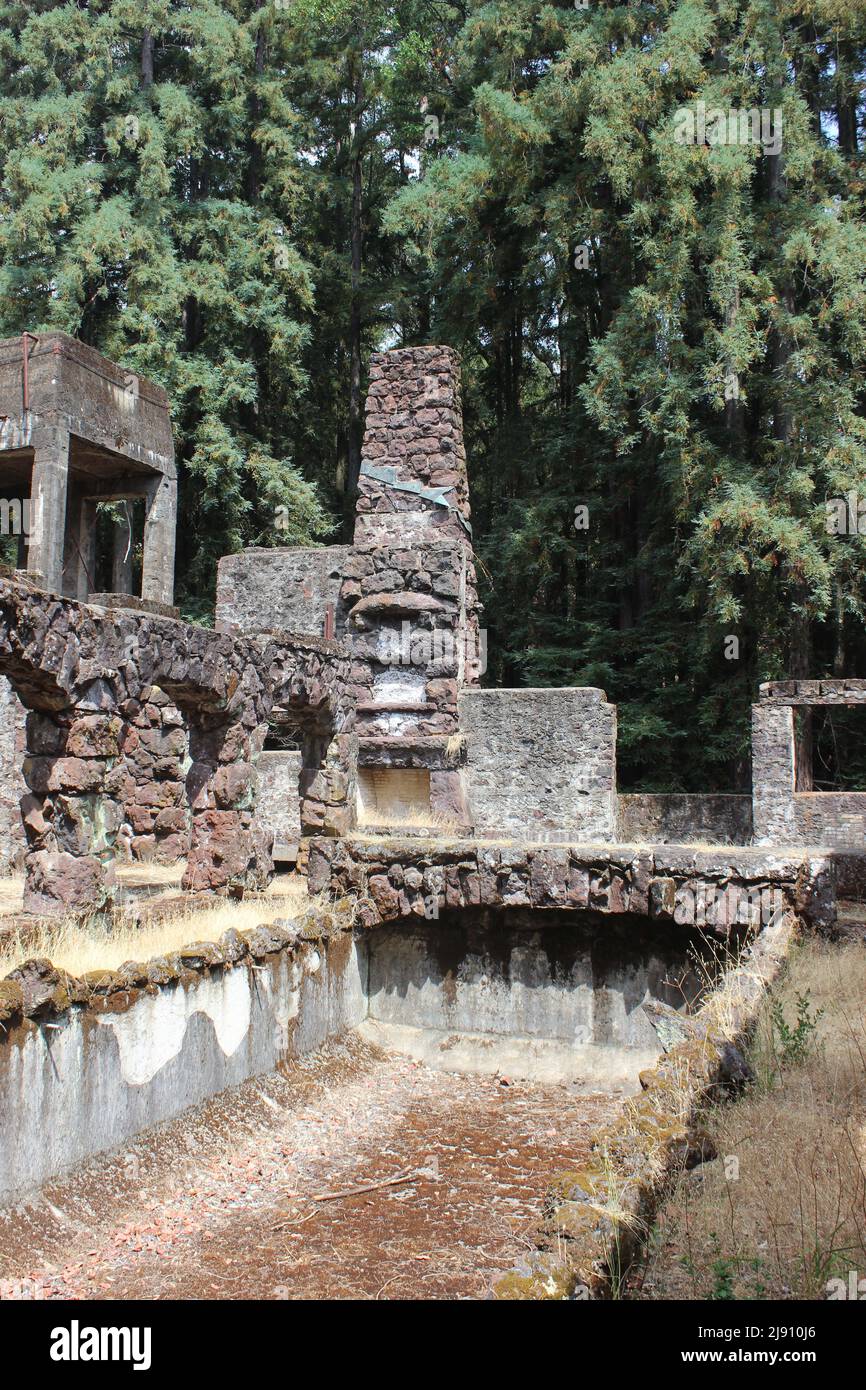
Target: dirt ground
[[249, 1197]]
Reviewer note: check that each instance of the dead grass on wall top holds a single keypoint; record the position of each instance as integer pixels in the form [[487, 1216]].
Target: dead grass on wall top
[[78, 947]]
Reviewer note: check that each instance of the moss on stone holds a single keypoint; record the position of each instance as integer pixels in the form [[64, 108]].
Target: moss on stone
[[11, 1000]]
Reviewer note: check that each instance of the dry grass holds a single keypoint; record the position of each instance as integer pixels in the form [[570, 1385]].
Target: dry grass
[[414, 818], [783, 1208], [79, 947], [11, 889], [138, 878]]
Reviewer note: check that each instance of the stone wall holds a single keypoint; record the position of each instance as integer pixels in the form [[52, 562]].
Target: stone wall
[[279, 805], [783, 815], [86, 677], [155, 817], [713, 889], [540, 764], [678, 818], [13, 843], [260, 590]]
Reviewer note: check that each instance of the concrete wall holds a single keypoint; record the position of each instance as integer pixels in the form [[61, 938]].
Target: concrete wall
[[97, 399], [680, 818], [92, 432], [540, 764], [93, 1080], [471, 993], [260, 590]]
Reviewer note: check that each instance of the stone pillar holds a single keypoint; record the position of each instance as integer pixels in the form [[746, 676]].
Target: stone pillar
[[72, 811], [157, 817], [48, 508], [229, 850], [121, 560], [773, 810], [12, 785], [330, 798], [157, 580]]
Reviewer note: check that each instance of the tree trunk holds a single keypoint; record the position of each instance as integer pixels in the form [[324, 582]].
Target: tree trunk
[[253, 171], [353, 461], [147, 47]]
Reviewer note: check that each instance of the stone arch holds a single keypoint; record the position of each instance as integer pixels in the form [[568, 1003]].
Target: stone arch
[[310, 692], [83, 673]]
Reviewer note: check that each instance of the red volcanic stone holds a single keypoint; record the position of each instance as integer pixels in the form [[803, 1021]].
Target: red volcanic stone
[[64, 774], [66, 882], [233, 784], [95, 736], [384, 895]]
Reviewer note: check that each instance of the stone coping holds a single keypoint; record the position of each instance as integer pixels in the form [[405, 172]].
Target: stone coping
[[40, 991], [306, 640], [131, 601], [716, 889], [838, 691], [438, 752]]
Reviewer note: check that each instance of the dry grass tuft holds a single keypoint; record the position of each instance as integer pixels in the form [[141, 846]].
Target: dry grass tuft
[[414, 818], [78, 947], [783, 1209]]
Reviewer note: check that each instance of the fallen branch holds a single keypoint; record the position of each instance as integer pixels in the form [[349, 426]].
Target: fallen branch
[[362, 1187]]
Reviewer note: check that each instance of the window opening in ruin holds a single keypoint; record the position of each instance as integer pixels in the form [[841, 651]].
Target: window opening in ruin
[[282, 738], [838, 748], [394, 796], [16, 513], [119, 547]]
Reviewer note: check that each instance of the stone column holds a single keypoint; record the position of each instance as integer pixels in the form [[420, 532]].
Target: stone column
[[72, 811], [48, 507], [157, 581], [773, 810], [155, 750], [330, 798], [228, 850]]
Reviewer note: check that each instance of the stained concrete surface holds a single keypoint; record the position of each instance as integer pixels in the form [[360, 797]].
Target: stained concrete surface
[[220, 1204]]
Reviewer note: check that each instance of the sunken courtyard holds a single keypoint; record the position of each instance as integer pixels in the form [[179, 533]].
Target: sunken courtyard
[[465, 999]]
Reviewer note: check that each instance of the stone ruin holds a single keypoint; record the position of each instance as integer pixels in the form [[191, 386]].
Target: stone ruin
[[341, 687]]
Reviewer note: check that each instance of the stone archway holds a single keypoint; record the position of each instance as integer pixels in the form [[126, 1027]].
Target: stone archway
[[83, 674], [311, 692]]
